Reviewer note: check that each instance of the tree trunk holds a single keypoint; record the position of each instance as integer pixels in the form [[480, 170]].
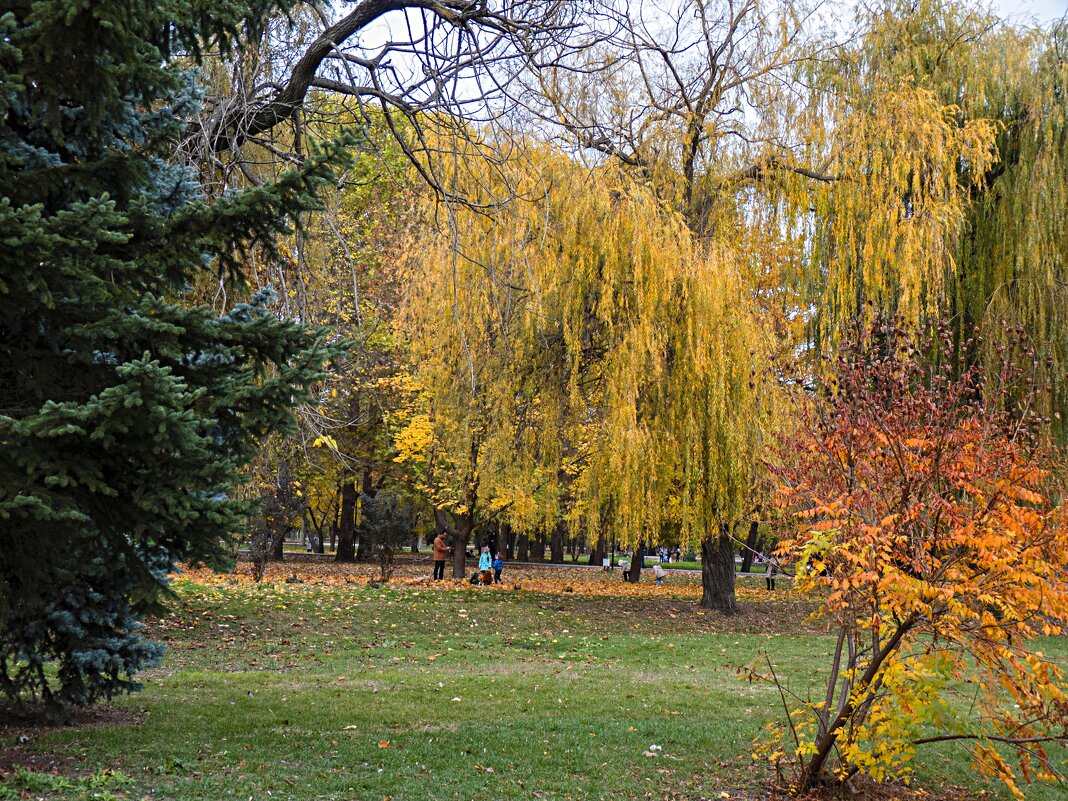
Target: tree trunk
[[509, 542], [460, 537], [538, 554], [335, 525], [717, 573], [310, 524], [415, 542], [750, 545], [637, 562], [597, 552], [366, 541], [556, 545], [278, 542], [346, 535], [523, 548]]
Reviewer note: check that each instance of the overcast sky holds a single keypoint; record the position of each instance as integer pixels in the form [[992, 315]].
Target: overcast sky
[[1043, 10]]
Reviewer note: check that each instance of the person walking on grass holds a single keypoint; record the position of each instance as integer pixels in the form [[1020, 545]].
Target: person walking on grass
[[441, 551], [485, 565], [498, 566]]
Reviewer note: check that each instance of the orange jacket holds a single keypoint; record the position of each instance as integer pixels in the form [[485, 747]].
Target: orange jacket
[[441, 550]]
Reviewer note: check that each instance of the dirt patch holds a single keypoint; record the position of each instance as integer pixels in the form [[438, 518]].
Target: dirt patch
[[20, 727]]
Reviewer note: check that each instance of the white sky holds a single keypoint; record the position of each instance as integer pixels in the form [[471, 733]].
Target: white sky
[[1042, 10]]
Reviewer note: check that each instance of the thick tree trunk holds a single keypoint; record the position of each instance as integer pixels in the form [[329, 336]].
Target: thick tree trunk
[[415, 543], [346, 535], [460, 533], [597, 553], [750, 545], [556, 545], [717, 573], [460, 539], [278, 542], [523, 548], [637, 562], [538, 551]]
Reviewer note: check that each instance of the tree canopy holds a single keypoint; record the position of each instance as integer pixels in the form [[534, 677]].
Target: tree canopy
[[128, 413]]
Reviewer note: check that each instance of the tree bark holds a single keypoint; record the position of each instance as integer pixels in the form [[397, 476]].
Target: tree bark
[[556, 545], [637, 562], [460, 534], [750, 545], [523, 548], [826, 740], [278, 542], [460, 537], [346, 535], [597, 552], [538, 554], [717, 573]]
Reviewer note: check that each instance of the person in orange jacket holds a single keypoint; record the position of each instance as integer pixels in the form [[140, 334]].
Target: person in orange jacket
[[441, 551]]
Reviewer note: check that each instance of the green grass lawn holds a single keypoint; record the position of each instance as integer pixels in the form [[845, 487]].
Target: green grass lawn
[[349, 692]]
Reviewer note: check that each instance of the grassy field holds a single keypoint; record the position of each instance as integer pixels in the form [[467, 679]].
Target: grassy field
[[340, 690]]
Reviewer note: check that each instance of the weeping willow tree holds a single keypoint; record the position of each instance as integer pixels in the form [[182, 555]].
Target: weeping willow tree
[[948, 131], [584, 358], [921, 175]]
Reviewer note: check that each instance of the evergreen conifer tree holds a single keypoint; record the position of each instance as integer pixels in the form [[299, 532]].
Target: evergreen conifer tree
[[126, 413]]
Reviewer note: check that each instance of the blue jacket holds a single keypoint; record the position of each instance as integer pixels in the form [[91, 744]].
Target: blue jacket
[[498, 564], [485, 561]]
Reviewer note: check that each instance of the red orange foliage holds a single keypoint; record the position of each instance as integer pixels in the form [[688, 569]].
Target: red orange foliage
[[928, 516]]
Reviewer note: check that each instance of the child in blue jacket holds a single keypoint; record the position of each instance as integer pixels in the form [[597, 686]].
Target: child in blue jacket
[[498, 566]]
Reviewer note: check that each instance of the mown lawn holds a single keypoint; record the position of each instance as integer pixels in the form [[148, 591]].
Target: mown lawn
[[345, 691]]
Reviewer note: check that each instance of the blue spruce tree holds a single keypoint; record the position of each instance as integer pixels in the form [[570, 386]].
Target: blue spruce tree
[[126, 414]]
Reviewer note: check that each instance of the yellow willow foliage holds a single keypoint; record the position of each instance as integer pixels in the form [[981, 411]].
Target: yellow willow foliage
[[1008, 254], [609, 365], [890, 225]]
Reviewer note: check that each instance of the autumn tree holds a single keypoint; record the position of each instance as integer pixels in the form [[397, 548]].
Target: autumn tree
[[128, 413], [1009, 249], [592, 355], [702, 103], [927, 522], [445, 70]]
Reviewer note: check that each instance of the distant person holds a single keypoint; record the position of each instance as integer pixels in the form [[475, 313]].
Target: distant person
[[498, 566], [773, 569], [678, 555], [485, 565], [658, 574], [441, 551]]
